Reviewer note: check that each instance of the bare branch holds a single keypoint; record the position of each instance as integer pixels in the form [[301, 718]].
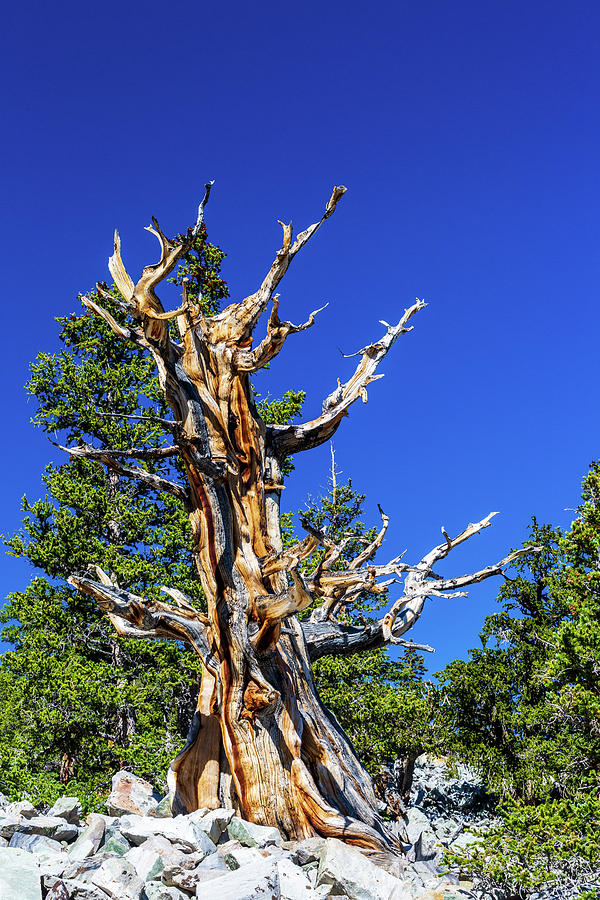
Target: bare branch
[[289, 439], [200, 218], [149, 453], [244, 316], [106, 457], [277, 333], [122, 331], [166, 423], [134, 616]]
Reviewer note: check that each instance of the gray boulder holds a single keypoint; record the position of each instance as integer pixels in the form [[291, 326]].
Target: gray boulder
[[117, 877], [116, 844], [251, 835], [213, 823], [67, 889], [163, 810], [352, 874], [294, 883], [50, 826], [155, 890], [131, 794], [258, 881], [19, 875], [182, 832], [22, 809], [67, 808], [149, 858], [36, 843], [90, 838]]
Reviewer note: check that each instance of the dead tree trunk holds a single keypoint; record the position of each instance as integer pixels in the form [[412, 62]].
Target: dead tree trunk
[[261, 740]]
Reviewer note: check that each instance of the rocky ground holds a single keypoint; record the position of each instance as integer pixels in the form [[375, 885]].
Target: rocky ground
[[139, 851]]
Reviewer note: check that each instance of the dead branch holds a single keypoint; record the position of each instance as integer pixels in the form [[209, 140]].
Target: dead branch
[[289, 439], [134, 616], [109, 459], [277, 333], [244, 316]]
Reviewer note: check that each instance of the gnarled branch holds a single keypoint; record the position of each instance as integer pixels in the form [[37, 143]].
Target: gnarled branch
[[277, 333], [135, 616], [243, 317], [110, 459], [289, 439]]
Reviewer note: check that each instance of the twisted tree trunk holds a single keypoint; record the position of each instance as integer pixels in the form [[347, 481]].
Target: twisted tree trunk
[[261, 740]]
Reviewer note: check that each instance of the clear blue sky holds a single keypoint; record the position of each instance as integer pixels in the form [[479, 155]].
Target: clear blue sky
[[467, 134]]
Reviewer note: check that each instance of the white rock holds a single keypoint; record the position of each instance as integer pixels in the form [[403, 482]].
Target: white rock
[[22, 809], [67, 889], [117, 878], [214, 822], [294, 882], [235, 855], [148, 859], [90, 838], [180, 831], [259, 881], [19, 875], [154, 890], [353, 874], [252, 835], [67, 808]]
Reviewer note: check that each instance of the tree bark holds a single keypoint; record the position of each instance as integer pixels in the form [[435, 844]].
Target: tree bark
[[261, 740]]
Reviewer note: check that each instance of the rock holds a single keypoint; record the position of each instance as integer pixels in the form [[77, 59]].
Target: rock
[[465, 839], [131, 794], [294, 883], [50, 826], [80, 869], [252, 835], [421, 835], [189, 879], [90, 838], [179, 830], [235, 856], [67, 889], [354, 875], [154, 890], [214, 863], [307, 851], [116, 844], [213, 823], [22, 809], [67, 808], [163, 810], [19, 875], [36, 843], [258, 881], [117, 877], [148, 859]]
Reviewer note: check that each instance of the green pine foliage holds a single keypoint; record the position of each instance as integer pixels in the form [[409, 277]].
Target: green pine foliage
[[525, 708]]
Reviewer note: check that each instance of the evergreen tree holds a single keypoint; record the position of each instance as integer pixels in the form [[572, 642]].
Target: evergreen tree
[[525, 708]]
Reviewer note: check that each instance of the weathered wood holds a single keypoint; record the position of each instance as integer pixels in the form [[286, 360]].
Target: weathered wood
[[261, 739]]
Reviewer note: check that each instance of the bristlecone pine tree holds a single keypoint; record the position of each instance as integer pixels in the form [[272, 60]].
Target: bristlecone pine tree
[[261, 739]]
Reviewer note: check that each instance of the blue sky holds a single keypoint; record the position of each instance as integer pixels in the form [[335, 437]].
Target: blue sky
[[467, 134]]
